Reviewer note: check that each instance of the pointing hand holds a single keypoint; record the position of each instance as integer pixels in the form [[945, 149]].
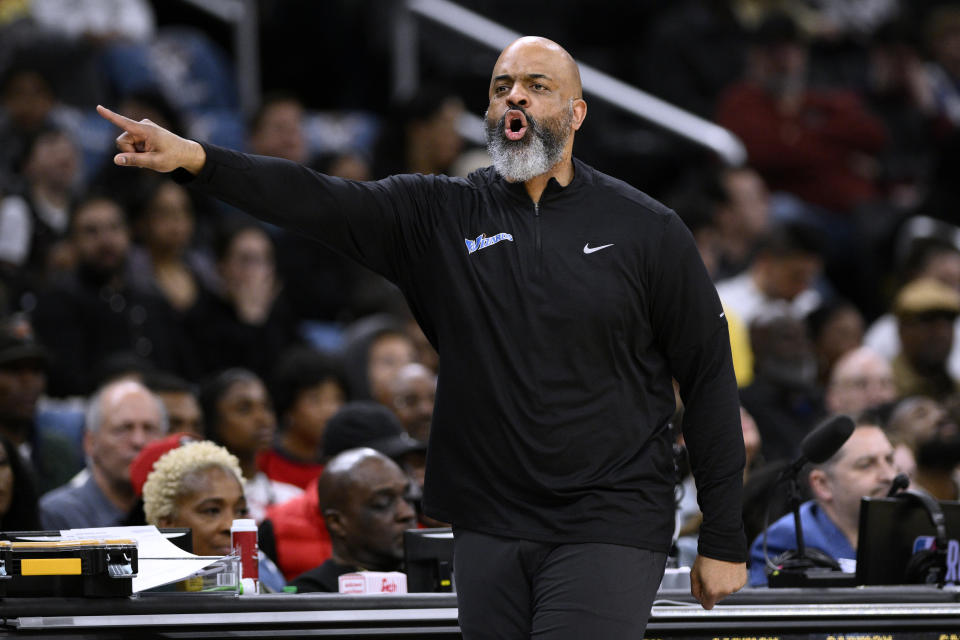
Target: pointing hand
[[144, 144]]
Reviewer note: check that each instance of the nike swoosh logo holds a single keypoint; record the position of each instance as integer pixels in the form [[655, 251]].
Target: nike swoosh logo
[[588, 249]]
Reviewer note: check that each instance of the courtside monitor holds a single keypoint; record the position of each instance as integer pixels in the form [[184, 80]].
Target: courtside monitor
[[428, 559], [892, 531]]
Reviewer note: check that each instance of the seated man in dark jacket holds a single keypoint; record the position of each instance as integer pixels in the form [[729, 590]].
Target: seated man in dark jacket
[[364, 498], [94, 312], [293, 534]]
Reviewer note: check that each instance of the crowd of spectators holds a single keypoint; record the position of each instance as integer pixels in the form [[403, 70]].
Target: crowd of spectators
[[130, 306]]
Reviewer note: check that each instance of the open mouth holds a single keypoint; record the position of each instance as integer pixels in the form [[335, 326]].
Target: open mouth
[[515, 124]]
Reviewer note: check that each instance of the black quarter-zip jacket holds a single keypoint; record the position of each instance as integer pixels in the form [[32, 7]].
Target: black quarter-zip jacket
[[559, 326]]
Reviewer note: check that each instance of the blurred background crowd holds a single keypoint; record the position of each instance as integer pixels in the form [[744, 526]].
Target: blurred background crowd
[[834, 247]]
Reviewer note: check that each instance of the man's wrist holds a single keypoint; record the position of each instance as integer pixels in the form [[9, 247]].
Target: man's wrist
[[196, 157]]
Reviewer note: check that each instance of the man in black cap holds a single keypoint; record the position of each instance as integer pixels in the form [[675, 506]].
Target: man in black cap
[[23, 380], [369, 424]]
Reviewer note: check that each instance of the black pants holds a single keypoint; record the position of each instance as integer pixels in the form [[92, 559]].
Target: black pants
[[509, 589]]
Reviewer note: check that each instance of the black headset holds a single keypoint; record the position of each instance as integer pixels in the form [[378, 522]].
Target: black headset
[[928, 566]]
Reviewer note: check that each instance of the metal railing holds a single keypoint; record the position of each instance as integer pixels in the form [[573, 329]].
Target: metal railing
[[601, 85]]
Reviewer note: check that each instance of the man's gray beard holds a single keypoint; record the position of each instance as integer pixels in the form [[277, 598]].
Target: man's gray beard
[[534, 154]]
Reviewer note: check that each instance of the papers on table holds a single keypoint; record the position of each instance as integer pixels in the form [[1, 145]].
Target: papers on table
[[160, 561]]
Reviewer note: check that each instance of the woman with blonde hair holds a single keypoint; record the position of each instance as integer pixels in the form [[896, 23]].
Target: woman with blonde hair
[[199, 485]]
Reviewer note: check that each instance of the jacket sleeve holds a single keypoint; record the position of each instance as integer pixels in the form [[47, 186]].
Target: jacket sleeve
[[384, 225], [691, 330]]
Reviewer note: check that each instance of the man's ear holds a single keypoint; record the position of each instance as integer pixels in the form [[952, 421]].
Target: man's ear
[[89, 443], [820, 485], [334, 520], [166, 522], [579, 113]]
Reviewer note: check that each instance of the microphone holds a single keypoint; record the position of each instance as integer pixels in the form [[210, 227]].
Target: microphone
[[900, 482], [820, 444]]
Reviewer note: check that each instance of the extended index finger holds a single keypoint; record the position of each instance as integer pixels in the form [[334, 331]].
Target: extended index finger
[[121, 121]]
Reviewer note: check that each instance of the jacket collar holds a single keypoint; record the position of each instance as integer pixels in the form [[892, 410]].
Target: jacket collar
[[518, 191]]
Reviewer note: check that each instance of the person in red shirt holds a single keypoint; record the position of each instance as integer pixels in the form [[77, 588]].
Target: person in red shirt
[[819, 145], [308, 388], [818, 150]]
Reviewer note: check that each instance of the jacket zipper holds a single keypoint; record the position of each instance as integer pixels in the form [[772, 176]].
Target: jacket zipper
[[539, 250]]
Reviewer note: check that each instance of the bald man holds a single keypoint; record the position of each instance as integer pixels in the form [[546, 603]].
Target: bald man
[[561, 302], [365, 501], [860, 379]]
